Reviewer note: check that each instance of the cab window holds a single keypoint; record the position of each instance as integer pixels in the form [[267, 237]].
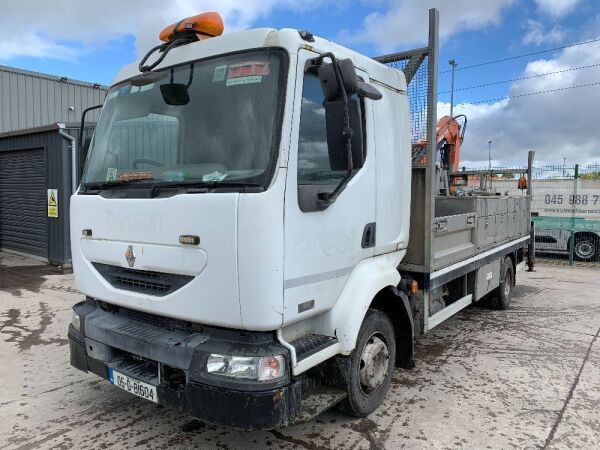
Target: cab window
[[313, 157]]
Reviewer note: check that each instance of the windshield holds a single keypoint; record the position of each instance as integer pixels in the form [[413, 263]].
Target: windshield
[[212, 121]]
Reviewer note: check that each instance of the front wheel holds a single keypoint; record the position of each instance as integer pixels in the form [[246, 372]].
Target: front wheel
[[370, 367]]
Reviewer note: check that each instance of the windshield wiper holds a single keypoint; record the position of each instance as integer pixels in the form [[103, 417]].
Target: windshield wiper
[[102, 185], [202, 186], [155, 187]]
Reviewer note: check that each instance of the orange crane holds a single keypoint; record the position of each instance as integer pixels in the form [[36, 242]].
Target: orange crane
[[450, 133]]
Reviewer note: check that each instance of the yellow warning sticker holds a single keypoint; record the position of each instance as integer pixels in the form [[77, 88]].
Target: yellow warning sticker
[[52, 202]]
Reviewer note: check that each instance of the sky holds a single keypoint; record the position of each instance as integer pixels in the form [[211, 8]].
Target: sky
[[90, 40]]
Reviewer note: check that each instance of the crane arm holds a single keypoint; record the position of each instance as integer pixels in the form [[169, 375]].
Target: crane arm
[[450, 135]]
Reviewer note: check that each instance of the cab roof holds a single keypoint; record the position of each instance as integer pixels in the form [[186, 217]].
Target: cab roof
[[286, 38]]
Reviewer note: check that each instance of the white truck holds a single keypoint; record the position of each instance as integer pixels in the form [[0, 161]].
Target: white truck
[[256, 242], [566, 214]]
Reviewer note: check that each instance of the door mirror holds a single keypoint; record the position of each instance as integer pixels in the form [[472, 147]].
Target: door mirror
[[336, 141], [352, 83]]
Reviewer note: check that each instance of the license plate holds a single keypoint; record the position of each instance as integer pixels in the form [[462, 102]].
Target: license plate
[[133, 386]]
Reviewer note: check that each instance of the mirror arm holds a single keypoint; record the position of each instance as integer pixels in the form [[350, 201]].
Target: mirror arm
[[82, 124], [347, 131]]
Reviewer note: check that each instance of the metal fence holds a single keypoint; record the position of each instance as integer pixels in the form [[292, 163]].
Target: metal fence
[[565, 209]]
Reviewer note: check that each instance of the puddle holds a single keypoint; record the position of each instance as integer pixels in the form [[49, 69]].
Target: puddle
[[26, 336], [28, 277], [431, 351]]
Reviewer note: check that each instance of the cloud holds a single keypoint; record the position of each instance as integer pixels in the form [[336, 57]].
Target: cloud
[[37, 46], [557, 125], [63, 29], [537, 35], [404, 23], [556, 8]]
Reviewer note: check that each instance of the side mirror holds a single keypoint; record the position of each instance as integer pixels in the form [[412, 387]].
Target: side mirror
[[336, 142], [352, 83]]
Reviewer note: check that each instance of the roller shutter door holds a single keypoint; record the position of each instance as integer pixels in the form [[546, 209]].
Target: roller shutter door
[[23, 207]]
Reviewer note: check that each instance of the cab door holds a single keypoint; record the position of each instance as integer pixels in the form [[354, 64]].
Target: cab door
[[323, 246]]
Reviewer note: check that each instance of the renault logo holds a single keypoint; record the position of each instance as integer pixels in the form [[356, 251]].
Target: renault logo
[[130, 256]]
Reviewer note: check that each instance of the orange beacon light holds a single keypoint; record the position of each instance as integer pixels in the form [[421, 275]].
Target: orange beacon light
[[204, 25]]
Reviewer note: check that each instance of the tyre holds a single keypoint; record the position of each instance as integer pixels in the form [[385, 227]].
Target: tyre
[[368, 370], [586, 248], [503, 295]]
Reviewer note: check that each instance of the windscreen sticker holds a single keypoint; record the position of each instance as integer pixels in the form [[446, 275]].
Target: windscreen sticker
[[136, 176], [111, 174], [244, 80], [247, 68], [215, 176], [134, 89], [146, 87], [219, 74]]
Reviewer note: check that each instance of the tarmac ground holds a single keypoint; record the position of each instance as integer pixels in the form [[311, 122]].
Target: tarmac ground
[[528, 377]]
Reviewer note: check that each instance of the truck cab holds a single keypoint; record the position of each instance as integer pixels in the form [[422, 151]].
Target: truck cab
[[217, 268], [264, 225]]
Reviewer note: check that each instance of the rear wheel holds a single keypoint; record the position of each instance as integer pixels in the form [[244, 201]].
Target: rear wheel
[[503, 294], [370, 367]]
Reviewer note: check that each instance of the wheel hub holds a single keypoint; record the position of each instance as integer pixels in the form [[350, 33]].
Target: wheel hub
[[374, 364]]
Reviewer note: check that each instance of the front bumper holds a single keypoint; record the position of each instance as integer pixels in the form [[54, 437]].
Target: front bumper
[[234, 403]]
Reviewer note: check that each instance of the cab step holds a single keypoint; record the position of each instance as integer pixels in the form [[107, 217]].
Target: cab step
[[310, 344], [318, 400]]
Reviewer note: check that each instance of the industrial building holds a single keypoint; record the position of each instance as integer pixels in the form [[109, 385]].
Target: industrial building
[[39, 164]]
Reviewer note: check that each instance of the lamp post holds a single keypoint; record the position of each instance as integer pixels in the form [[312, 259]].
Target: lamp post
[[490, 160], [453, 64]]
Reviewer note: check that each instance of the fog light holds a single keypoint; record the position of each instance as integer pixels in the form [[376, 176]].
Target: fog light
[[266, 368], [76, 322]]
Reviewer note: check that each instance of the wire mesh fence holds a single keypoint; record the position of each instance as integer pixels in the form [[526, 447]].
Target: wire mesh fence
[[417, 96], [415, 65], [565, 209]]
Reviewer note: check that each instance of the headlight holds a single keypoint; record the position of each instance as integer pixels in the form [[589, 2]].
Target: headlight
[[264, 368], [76, 322]]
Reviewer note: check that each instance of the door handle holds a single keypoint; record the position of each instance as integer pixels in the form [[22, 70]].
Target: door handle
[[368, 237]]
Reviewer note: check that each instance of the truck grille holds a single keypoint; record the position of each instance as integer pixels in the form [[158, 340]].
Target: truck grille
[[157, 284]]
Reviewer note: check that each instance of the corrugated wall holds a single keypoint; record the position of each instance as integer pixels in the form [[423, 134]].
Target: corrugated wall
[[58, 176], [30, 99]]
